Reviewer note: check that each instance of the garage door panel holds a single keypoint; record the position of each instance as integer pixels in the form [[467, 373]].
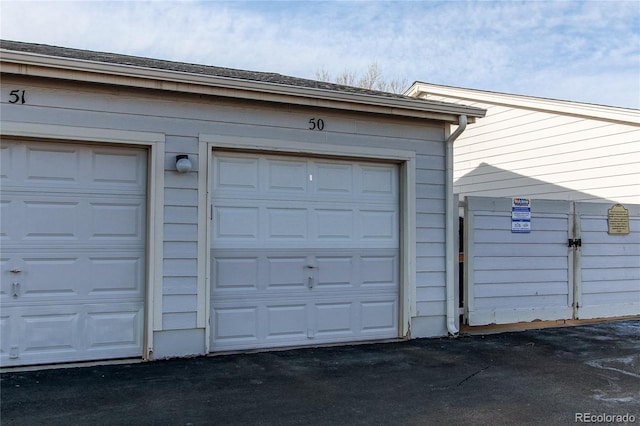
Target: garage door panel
[[117, 167], [334, 179], [379, 270], [235, 324], [334, 224], [316, 259], [286, 321], [66, 332], [6, 264], [7, 163], [51, 276], [46, 218], [286, 272], [236, 223], [379, 225], [285, 176], [74, 229], [49, 220], [379, 315], [335, 272], [110, 326], [116, 276], [235, 273], [287, 223], [380, 181], [333, 319], [6, 220], [50, 330], [6, 337], [235, 174], [67, 166], [117, 220], [53, 163]]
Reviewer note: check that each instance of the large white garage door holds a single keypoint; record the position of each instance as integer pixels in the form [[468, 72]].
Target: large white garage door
[[304, 251], [73, 252]]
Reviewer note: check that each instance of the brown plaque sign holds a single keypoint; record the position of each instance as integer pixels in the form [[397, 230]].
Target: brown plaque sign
[[618, 220]]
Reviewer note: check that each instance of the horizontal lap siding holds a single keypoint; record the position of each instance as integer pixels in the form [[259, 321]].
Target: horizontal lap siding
[[515, 151], [610, 264], [430, 234], [503, 276], [182, 118], [514, 272], [180, 264]]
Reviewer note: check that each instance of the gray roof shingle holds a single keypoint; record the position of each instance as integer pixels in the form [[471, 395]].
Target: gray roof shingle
[[137, 61]]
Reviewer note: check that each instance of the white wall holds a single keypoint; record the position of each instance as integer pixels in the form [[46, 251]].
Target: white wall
[[528, 151]]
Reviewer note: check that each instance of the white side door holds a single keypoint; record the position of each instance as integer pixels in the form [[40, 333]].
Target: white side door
[[517, 277], [608, 283]]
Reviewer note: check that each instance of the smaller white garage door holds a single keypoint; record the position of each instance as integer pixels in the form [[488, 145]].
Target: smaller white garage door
[[304, 251], [73, 252]]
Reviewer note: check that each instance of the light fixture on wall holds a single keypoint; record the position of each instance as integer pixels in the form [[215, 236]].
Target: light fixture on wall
[[183, 164]]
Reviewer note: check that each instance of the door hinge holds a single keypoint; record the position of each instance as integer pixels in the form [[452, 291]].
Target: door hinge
[[575, 243]]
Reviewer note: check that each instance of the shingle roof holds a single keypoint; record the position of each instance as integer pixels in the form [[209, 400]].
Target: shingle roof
[[137, 61]]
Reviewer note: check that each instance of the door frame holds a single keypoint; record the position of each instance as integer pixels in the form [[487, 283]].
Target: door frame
[[209, 143], [155, 144]]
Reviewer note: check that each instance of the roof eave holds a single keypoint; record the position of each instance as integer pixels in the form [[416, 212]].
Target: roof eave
[[619, 115], [31, 64]]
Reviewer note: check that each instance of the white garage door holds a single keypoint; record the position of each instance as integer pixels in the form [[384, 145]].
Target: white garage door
[[73, 252], [304, 251]]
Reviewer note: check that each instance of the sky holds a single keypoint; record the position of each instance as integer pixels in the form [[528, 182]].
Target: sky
[[583, 51]]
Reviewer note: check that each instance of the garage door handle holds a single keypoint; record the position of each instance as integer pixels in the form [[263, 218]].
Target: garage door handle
[[15, 289], [310, 282]]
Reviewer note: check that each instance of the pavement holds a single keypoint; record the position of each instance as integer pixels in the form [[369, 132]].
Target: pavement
[[556, 376]]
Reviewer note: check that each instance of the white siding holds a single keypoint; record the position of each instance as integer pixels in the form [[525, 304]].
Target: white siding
[[520, 151]]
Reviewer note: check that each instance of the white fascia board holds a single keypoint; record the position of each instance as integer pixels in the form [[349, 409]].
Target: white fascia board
[[589, 111], [31, 64]]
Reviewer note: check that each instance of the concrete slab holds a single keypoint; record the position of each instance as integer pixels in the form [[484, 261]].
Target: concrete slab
[[531, 377]]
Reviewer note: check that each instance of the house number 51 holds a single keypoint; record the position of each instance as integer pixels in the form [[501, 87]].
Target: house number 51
[[17, 97]]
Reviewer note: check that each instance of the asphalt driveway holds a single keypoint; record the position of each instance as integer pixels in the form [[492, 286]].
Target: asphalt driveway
[[551, 377]]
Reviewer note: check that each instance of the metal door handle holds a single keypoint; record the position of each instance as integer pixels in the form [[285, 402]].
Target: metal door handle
[[15, 270]]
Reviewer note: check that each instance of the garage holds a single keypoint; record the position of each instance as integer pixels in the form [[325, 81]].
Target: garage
[[73, 229], [154, 209], [304, 250]]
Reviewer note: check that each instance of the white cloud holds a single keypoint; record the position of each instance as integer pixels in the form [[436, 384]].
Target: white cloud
[[589, 49]]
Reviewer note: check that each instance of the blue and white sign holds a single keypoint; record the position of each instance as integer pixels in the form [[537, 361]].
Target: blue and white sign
[[521, 215]]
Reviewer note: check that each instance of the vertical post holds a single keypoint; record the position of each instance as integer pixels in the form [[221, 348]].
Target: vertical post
[[574, 261]]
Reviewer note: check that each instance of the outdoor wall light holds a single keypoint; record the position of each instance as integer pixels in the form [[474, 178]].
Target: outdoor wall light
[[183, 164]]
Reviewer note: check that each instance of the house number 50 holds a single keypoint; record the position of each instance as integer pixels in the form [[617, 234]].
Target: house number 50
[[17, 97], [316, 124]]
